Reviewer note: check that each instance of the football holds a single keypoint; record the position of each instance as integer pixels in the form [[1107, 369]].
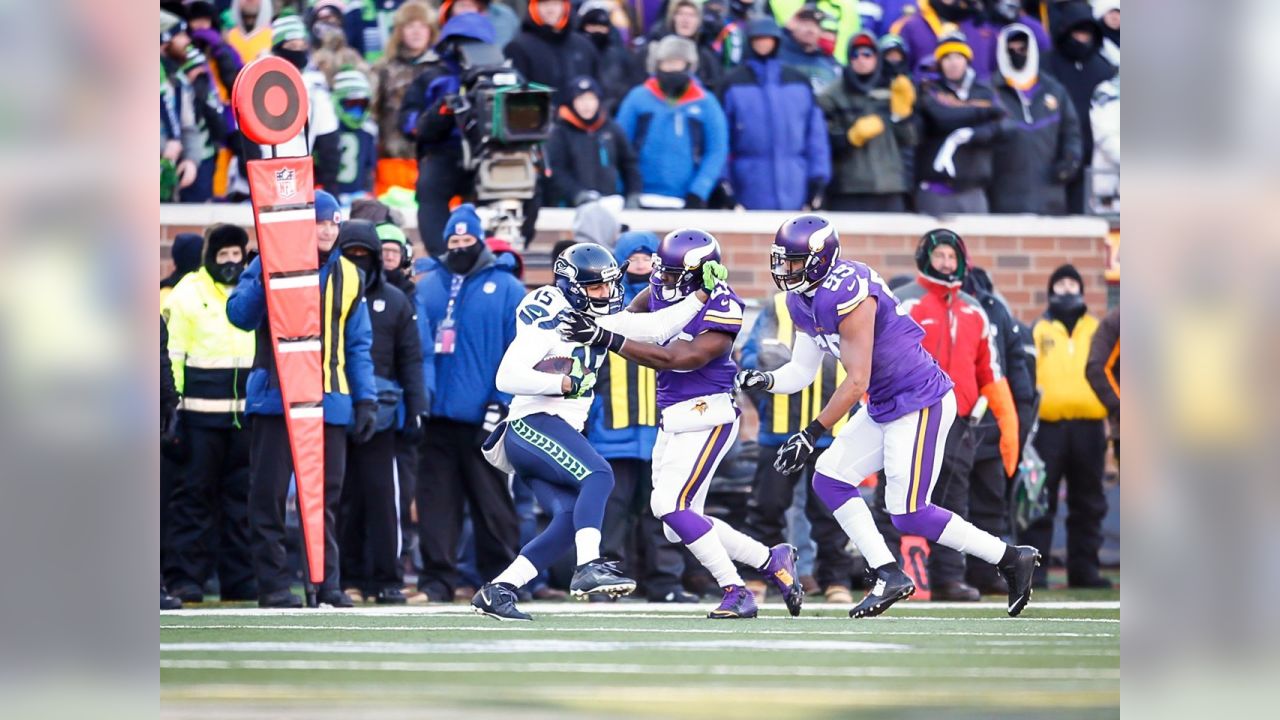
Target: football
[[557, 364]]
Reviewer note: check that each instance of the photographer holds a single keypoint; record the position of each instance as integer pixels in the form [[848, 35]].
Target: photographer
[[427, 117]]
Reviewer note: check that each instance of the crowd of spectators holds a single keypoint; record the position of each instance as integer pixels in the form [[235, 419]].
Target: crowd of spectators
[[931, 106]]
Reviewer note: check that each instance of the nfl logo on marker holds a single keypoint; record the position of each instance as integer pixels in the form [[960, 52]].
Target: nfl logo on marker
[[286, 184]]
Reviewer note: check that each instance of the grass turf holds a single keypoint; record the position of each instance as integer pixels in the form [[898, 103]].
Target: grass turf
[[633, 660]]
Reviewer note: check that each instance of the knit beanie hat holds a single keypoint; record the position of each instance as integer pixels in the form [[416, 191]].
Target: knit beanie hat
[[327, 207], [953, 42], [674, 47], [464, 221], [287, 27]]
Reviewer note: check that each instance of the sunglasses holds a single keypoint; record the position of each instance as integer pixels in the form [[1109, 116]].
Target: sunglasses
[[355, 104], [864, 52]]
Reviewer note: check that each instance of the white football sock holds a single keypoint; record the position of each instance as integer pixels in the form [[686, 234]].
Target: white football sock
[[518, 573], [588, 541], [963, 536], [708, 550], [855, 519], [741, 547]]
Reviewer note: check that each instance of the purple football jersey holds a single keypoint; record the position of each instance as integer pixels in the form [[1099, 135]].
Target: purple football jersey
[[722, 313], [904, 376]]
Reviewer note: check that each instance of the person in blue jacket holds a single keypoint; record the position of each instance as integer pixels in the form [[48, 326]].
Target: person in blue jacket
[[677, 129], [623, 427], [467, 304], [779, 155], [349, 401]]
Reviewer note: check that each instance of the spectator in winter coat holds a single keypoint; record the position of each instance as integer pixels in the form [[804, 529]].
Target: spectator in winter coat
[[407, 56], [1108, 14], [196, 118], [677, 129], [921, 31], [869, 121], [357, 135], [204, 28], [548, 52], [1041, 151], [466, 319], [960, 123], [840, 21], [778, 153], [186, 259], [802, 48], [588, 155], [367, 24], [289, 41], [893, 57], [1104, 118], [250, 31], [620, 69], [684, 19], [1078, 64], [1103, 371], [1071, 440]]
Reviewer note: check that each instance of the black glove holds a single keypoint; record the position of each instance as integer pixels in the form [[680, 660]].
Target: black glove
[[585, 196], [366, 419], [727, 197], [411, 433], [632, 201], [814, 192], [1063, 171], [172, 445], [693, 202], [576, 327], [796, 451], [752, 380]]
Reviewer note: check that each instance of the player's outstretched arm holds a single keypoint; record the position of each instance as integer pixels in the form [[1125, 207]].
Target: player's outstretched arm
[[662, 325], [681, 354], [640, 303], [795, 375]]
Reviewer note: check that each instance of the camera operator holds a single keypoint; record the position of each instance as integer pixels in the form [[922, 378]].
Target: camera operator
[[427, 117]]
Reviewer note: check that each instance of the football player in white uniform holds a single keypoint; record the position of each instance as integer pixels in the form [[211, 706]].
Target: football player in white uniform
[[541, 438]]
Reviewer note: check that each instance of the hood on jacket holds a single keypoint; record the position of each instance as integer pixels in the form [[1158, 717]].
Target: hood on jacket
[[534, 18], [186, 253], [468, 26], [506, 256], [265, 13], [1075, 14], [579, 86], [362, 233], [446, 9], [592, 222], [632, 242], [1026, 78]]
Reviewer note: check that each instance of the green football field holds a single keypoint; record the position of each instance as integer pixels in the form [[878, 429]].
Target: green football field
[[1060, 659]]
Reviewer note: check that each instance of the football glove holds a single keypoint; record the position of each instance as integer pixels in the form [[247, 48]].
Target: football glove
[[796, 451], [713, 273], [752, 380], [581, 380], [576, 327]]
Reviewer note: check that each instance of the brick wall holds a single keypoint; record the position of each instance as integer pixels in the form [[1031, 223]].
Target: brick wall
[[1018, 252]]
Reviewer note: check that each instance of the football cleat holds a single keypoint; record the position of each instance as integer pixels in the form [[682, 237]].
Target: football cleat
[[600, 576], [891, 585], [280, 599], [738, 602], [1018, 572], [332, 597], [781, 569], [498, 601]]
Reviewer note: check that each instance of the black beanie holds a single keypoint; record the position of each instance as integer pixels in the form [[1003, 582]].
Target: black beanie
[[221, 236], [1066, 271]]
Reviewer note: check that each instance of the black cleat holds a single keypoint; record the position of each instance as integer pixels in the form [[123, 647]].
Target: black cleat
[[600, 576], [334, 597], [169, 602], [891, 586], [280, 599], [498, 601], [1018, 571], [188, 593], [391, 595]]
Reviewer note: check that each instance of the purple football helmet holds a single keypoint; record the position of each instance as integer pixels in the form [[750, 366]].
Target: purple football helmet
[[677, 267], [807, 239]]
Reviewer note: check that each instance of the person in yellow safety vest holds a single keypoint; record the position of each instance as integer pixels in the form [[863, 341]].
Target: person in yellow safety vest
[[781, 416], [208, 530], [1072, 438]]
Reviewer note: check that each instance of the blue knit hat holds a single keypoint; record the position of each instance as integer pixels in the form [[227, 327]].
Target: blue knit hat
[[464, 221], [327, 207]]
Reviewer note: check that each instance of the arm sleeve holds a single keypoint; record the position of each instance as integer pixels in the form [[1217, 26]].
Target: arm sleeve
[[659, 326], [715, 154], [409, 362], [359, 364], [1099, 369], [818, 147], [946, 119], [247, 306], [168, 394], [560, 179], [426, 336], [179, 337], [806, 358], [1070, 142], [516, 374]]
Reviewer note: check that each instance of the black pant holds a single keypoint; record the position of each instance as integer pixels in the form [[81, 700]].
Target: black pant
[[771, 495], [369, 521], [988, 510], [1075, 450], [632, 534], [866, 202], [209, 514], [407, 475], [950, 492], [453, 470], [271, 465], [440, 177]]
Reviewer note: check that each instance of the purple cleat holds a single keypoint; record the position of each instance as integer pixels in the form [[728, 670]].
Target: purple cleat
[[738, 602], [781, 569]]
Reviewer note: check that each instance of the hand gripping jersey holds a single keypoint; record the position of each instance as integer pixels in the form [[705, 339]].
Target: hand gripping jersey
[[538, 339], [722, 313], [904, 377]]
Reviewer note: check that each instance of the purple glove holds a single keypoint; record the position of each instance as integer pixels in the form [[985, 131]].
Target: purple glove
[[206, 37]]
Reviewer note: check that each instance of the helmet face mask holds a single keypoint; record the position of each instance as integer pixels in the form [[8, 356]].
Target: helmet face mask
[[585, 265], [812, 242], [677, 265]]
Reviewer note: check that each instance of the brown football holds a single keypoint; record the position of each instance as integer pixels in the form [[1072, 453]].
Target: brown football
[[556, 364]]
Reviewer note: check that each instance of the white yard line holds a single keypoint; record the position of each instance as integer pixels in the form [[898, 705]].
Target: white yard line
[[1001, 673], [623, 608], [512, 645], [739, 629]]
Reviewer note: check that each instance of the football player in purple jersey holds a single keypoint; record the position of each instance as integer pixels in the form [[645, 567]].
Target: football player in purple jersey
[[845, 308], [699, 419]]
